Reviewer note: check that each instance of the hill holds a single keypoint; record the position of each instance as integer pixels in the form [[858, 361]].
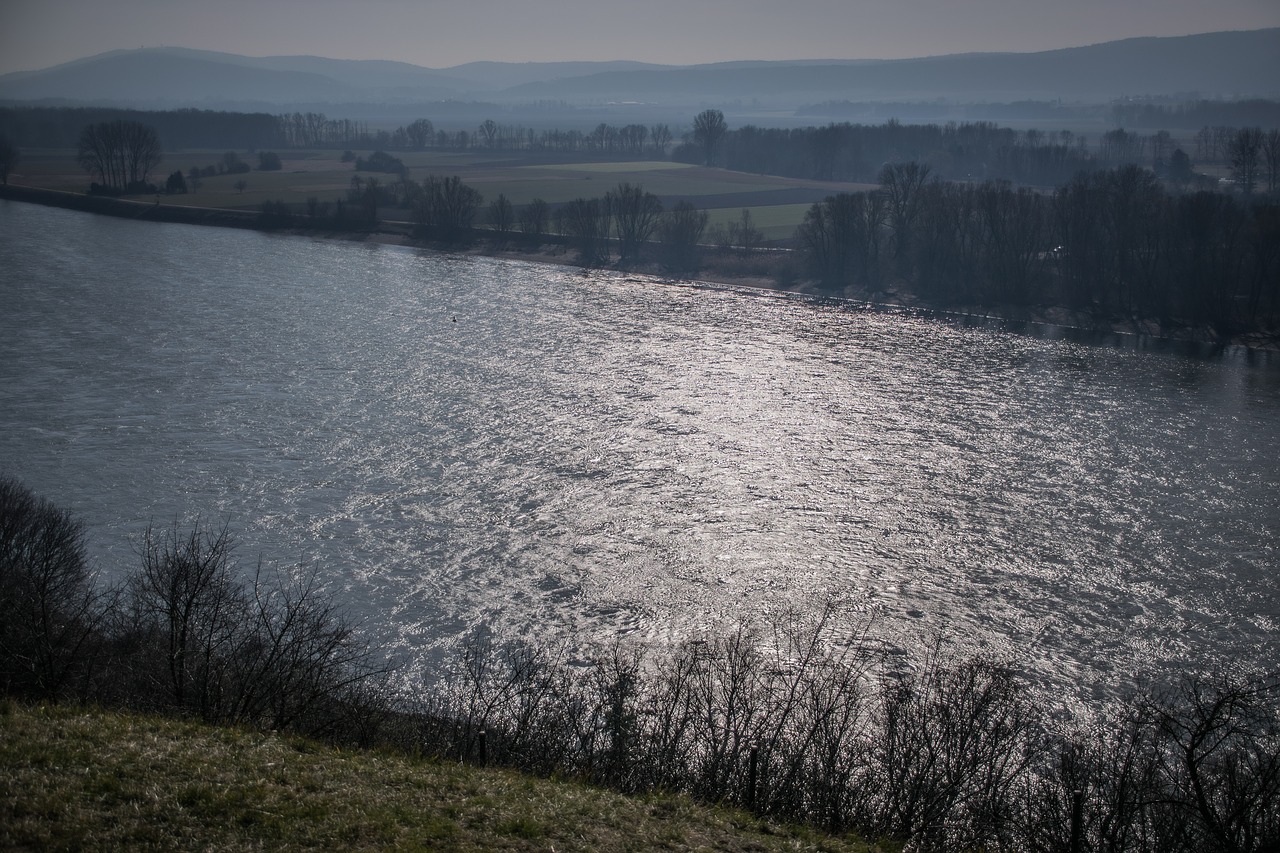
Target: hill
[[1226, 64], [94, 780]]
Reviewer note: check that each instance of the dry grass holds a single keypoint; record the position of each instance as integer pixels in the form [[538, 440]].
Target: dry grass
[[83, 779]]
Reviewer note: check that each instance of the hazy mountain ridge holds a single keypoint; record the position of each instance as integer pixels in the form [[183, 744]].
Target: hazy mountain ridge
[[1236, 63], [1213, 64]]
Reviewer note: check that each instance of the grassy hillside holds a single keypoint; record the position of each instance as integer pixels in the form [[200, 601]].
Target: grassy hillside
[[84, 779]]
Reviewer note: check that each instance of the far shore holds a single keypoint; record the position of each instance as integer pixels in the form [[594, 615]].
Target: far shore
[[553, 251]]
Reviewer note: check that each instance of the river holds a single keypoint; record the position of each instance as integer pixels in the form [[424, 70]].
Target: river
[[454, 442]]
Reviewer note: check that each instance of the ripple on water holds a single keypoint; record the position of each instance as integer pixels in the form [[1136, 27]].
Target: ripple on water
[[594, 456]]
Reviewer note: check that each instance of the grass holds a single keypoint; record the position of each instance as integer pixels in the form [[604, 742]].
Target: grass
[[86, 779], [777, 204]]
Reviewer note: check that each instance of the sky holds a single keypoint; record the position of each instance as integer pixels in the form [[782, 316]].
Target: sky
[[37, 34]]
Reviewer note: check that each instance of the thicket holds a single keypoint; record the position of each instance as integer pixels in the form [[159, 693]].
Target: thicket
[[1114, 242], [803, 719]]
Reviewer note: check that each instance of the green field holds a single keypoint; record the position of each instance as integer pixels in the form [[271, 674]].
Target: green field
[[777, 205]]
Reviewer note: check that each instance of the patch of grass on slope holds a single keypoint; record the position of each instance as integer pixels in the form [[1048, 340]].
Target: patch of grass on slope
[[85, 779]]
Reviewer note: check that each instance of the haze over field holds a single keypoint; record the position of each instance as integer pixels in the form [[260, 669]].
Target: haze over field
[[37, 34]]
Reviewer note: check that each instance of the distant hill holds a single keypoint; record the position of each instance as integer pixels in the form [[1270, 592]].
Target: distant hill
[[1214, 64], [1227, 64]]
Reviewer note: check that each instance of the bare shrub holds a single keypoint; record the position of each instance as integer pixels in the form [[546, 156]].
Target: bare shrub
[[51, 612], [272, 650]]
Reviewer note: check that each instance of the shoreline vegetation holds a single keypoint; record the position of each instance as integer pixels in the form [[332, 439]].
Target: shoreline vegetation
[[1120, 233], [807, 720], [771, 270]]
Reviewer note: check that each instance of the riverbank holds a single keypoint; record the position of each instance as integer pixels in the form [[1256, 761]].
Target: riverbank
[[772, 272]]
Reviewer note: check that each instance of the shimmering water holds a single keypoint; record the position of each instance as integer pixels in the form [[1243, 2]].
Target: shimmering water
[[460, 441]]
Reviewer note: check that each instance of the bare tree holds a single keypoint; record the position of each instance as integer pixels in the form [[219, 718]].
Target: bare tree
[[446, 207], [1161, 145], [1223, 762], [660, 138], [1271, 158], [50, 611], [188, 606], [295, 655], [9, 156], [1244, 153], [680, 231], [632, 138], [534, 218], [120, 153], [709, 129], [902, 184], [501, 214], [840, 237], [635, 215], [744, 234], [586, 223]]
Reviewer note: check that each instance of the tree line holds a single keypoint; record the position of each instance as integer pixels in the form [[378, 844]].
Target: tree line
[[1201, 113], [1114, 242], [970, 151], [446, 210], [805, 718], [60, 127]]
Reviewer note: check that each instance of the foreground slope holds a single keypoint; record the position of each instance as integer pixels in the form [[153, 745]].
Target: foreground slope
[[94, 780]]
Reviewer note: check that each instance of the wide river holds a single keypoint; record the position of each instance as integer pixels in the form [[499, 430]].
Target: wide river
[[456, 442]]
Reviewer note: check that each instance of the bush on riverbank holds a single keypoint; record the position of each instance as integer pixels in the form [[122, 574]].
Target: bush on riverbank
[[802, 720]]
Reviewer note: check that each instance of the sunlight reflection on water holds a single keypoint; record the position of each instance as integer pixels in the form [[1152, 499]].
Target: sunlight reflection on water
[[462, 441]]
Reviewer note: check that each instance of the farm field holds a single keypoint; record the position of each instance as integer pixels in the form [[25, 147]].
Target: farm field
[[777, 205]]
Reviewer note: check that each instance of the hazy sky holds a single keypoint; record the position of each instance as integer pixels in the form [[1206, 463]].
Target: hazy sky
[[40, 33]]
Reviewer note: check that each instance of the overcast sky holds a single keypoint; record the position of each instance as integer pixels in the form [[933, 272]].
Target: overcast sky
[[438, 33]]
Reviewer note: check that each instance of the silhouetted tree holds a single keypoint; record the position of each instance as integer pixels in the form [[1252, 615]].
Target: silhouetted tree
[[419, 133], [534, 218], [635, 214], [902, 184], [501, 214], [586, 223], [1244, 153], [660, 138], [632, 137], [1271, 158], [743, 233], [709, 129], [1179, 171], [840, 238], [232, 164], [269, 161], [380, 161], [446, 207], [680, 231], [120, 153], [51, 614], [187, 605], [9, 156]]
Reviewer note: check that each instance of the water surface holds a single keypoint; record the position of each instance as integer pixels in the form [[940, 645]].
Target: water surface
[[457, 441]]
